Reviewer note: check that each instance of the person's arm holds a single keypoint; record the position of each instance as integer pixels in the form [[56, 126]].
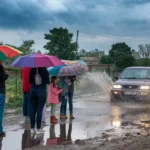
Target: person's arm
[[47, 78], [31, 76], [73, 78], [3, 75], [55, 90], [6, 76]]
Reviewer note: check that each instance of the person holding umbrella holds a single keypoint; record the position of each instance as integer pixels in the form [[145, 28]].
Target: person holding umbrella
[[67, 75], [38, 78], [63, 84], [3, 78], [70, 94], [6, 52]]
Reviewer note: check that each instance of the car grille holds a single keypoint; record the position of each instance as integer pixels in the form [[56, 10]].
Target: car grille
[[130, 86]]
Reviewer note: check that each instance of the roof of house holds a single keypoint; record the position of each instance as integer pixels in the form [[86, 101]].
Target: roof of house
[[136, 55], [89, 58]]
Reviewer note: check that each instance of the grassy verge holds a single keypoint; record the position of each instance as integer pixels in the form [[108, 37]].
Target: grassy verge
[[13, 92]]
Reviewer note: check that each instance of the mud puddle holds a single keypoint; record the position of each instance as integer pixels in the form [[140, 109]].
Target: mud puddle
[[93, 119]]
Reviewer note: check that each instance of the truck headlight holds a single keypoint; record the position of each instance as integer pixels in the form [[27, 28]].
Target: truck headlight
[[117, 86], [144, 87]]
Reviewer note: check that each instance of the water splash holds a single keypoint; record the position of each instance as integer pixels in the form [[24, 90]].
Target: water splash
[[95, 83]]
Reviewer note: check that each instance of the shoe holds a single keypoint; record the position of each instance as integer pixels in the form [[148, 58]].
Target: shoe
[[56, 119], [72, 117], [43, 123], [2, 134], [53, 120], [63, 117], [66, 117], [33, 131], [39, 131]]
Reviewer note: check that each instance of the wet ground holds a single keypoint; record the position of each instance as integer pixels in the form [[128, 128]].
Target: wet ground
[[96, 118]]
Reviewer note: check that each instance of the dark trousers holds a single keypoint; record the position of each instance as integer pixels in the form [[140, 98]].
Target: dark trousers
[[38, 100], [70, 97], [26, 104], [63, 104], [2, 105]]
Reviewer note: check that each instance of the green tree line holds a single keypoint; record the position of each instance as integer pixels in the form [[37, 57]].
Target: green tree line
[[60, 43]]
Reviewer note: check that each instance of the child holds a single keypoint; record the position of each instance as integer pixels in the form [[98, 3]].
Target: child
[[53, 99]]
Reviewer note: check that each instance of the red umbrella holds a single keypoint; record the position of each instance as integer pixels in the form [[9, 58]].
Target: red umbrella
[[8, 52]]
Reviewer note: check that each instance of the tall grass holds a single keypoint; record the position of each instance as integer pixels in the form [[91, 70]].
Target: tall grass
[[13, 91]]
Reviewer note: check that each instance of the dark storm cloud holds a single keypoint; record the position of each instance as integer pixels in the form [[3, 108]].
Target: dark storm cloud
[[103, 17]]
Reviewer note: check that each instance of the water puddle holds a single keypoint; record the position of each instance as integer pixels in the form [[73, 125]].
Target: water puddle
[[94, 115], [92, 120]]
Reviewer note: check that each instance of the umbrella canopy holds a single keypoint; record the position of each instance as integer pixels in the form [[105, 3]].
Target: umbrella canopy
[[77, 64], [37, 60], [69, 70], [53, 71], [8, 52]]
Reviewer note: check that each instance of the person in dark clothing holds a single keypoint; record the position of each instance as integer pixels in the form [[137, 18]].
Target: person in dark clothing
[[70, 94], [38, 78], [3, 78]]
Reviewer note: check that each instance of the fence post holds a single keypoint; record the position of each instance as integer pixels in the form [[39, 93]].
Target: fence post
[[16, 85]]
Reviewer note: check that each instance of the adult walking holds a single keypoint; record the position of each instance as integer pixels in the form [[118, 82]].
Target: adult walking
[[26, 92], [39, 78], [71, 80], [3, 78]]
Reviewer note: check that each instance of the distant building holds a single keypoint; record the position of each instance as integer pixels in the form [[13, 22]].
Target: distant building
[[90, 60], [136, 55]]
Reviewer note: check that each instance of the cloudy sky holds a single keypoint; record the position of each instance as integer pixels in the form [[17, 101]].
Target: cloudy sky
[[100, 22]]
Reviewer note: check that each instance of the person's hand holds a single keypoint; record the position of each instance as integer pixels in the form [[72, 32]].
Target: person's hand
[[69, 84], [68, 80]]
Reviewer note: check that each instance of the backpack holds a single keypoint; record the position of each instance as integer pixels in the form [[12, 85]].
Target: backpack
[[38, 79]]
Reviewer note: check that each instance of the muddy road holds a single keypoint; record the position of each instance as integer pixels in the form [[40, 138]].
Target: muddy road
[[99, 124]]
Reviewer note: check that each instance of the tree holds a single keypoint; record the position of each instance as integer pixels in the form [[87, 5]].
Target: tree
[[144, 50], [92, 53], [95, 53], [60, 44], [12, 46], [26, 47], [1, 43], [39, 52], [121, 55], [143, 62], [105, 59], [82, 53]]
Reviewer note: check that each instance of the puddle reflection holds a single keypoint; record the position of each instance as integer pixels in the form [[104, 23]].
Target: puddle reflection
[[91, 122], [64, 138], [116, 117], [1, 140], [30, 140]]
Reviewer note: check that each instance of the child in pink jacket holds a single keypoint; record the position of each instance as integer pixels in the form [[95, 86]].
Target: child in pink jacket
[[53, 99]]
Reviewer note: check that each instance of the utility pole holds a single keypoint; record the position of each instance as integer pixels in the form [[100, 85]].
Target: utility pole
[[77, 43], [77, 37]]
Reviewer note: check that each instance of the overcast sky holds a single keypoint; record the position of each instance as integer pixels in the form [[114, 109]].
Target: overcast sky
[[100, 22]]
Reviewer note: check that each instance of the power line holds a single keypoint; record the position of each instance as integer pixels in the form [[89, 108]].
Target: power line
[[114, 37], [110, 37]]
